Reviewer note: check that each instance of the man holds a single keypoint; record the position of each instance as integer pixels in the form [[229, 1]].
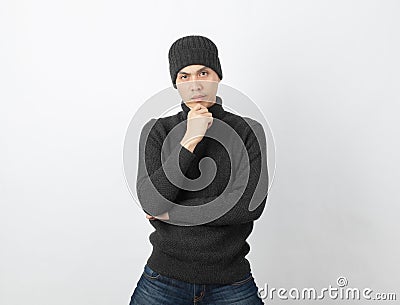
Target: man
[[201, 261]]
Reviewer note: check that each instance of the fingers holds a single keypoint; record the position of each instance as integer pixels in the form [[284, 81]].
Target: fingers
[[200, 109], [162, 216], [198, 106]]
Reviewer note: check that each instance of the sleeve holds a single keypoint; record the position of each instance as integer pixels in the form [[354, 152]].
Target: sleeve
[[155, 192], [255, 144]]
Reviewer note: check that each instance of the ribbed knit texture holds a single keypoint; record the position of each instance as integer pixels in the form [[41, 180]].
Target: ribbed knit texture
[[193, 50], [211, 253]]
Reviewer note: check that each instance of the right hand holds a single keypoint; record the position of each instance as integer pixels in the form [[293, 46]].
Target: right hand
[[164, 216], [149, 217], [199, 120]]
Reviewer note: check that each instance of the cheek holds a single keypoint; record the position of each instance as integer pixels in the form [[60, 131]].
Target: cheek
[[215, 77]]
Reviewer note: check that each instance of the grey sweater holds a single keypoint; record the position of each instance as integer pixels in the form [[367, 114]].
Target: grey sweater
[[214, 251]]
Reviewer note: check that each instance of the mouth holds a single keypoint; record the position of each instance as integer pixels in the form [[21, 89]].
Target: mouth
[[198, 96]]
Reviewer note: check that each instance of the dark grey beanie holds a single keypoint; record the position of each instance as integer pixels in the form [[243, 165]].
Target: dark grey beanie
[[193, 50]]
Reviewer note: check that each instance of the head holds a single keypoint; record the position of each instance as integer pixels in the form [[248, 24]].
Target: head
[[197, 84], [195, 69]]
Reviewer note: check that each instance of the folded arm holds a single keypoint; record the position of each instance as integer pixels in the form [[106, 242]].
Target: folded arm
[[155, 191], [244, 179]]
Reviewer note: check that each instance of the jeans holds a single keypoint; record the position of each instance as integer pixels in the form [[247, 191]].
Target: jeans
[[156, 289]]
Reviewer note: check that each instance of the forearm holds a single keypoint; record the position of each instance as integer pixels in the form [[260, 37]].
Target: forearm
[[244, 199], [156, 192], [190, 212], [155, 189]]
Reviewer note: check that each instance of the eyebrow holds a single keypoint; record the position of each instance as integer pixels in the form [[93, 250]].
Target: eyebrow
[[205, 67]]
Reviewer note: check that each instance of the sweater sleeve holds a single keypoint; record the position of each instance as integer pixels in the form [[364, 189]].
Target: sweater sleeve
[[255, 144], [156, 193]]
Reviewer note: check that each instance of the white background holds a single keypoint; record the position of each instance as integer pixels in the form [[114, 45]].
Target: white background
[[73, 73]]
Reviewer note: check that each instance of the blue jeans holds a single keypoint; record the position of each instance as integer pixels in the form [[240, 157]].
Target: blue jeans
[[156, 289]]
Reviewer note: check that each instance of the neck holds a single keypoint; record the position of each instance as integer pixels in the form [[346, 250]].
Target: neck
[[216, 109]]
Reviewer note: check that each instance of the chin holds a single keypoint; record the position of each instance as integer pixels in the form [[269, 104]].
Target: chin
[[203, 103]]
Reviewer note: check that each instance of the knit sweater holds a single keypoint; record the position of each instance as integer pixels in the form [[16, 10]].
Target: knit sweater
[[212, 252]]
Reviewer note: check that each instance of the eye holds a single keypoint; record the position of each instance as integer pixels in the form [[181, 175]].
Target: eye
[[203, 73], [183, 76]]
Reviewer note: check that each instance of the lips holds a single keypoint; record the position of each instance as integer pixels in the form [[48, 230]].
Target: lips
[[197, 96]]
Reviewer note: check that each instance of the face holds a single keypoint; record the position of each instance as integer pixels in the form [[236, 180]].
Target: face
[[197, 84]]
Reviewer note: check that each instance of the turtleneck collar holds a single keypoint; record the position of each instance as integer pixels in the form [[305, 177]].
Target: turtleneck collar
[[216, 109]]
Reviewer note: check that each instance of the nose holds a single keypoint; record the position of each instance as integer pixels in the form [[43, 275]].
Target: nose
[[196, 85]]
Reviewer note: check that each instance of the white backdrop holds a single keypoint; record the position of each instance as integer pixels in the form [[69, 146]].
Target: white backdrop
[[73, 73]]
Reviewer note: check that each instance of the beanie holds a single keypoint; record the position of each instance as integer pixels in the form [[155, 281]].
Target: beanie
[[193, 50]]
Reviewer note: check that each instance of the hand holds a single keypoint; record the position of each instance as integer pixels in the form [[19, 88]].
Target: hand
[[164, 216], [199, 120]]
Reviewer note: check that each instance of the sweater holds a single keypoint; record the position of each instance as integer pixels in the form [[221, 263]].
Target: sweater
[[212, 252]]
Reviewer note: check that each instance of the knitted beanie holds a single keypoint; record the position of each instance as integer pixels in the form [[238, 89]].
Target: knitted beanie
[[193, 50]]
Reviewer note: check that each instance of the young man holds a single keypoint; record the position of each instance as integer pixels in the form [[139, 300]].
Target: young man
[[203, 260]]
